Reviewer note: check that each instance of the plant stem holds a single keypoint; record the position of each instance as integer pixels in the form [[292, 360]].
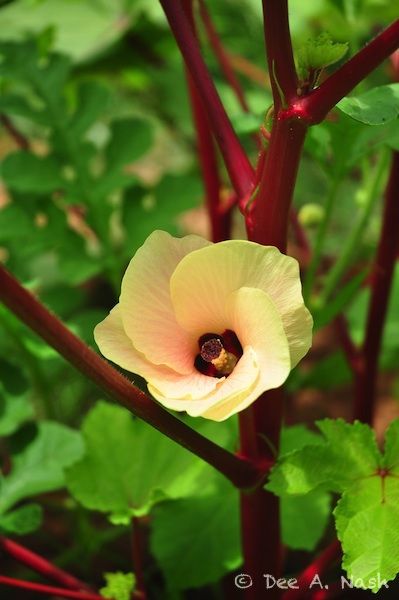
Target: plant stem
[[50, 590], [279, 52], [222, 56], [28, 309], [319, 566], [366, 382], [372, 189], [137, 553], [268, 221], [319, 243], [318, 103], [219, 221], [237, 163], [41, 565], [21, 141]]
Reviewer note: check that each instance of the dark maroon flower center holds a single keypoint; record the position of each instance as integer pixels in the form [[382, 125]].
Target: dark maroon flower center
[[218, 353]]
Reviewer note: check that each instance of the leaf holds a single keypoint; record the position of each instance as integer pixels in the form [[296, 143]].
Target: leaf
[[119, 586], [348, 453], [14, 411], [325, 314], [130, 139], [22, 521], [303, 519], [40, 466], [318, 53], [197, 541], [24, 172], [367, 519], [142, 469], [375, 107], [391, 450], [12, 378], [91, 103], [14, 223], [142, 213]]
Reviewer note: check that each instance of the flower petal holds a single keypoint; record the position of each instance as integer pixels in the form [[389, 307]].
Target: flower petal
[[206, 277], [114, 344], [238, 384], [147, 312]]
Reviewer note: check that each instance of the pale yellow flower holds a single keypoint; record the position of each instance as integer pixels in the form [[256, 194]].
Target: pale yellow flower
[[209, 326]]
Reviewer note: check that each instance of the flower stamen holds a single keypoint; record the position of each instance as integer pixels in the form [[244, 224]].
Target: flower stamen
[[212, 351]]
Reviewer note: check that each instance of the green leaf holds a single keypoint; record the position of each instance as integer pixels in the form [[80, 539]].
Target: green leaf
[[39, 467], [325, 314], [12, 378], [22, 521], [349, 452], [197, 541], [143, 213], [375, 107], [14, 223], [24, 172], [14, 411], [367, 519], [318, 53], [92, 100], [303, 519], [128, 466], [130, 139], [119, 586], [391, 450]]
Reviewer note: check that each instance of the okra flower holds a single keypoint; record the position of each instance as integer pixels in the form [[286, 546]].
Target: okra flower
[[209, 326]]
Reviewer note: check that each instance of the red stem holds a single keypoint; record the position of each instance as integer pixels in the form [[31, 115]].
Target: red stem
[[137, 552], [222, 57], [219, 221], [366, 382], [351, 351], [46, 589], [279, 52], [315, 106], [29, 310], [237, 163], [268, 221], [17, 136], [41, 565], [319, 566]]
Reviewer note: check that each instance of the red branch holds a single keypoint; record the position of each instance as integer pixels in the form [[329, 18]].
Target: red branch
[[279, 52], [315, 106], [26, 307], [41, 565], [17, 136], [50, 590], [237, 163], [366, 382], [222, 56], [219, 220], [137, 554], [319, 566]]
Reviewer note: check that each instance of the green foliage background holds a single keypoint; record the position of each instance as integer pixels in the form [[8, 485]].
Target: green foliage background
[[97, 89]]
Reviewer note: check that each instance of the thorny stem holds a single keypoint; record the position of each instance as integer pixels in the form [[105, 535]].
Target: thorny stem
[[242, 473], [237, 163], [41, 565], [366, 382], [315, 106]]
